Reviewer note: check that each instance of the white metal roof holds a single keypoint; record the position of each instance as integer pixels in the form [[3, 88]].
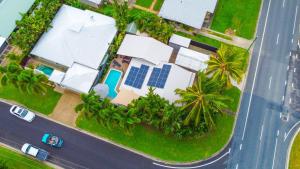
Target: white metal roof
[[57, 76], [189, 12], [79, 78], [178, 78], [76, 35], [146, 48], [191, 59], [180, 40], [2, 40]]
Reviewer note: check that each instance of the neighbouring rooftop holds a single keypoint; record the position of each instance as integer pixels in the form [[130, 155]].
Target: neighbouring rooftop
[[10, 12], [80, 36], [189, 12]]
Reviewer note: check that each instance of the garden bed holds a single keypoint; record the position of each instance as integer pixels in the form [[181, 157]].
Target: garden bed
[[156, 144]]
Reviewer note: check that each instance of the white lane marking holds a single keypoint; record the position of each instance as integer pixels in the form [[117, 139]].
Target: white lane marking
[[261, 132], [285, 82], [241, 145], [294, 70], [259, 54], [292, 85], [270, 81], [280, 115], [203, 165], [286, 135], [277, 40], [288, 67], [292, 40], [290, 53], [283, 3], [295, 19], [237, 166], [290, 101], [277, 132], [282, 98], [274, 153]]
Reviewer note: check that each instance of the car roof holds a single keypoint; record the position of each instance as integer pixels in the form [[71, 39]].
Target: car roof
[[33, 151], [16, 109], [45, 137]]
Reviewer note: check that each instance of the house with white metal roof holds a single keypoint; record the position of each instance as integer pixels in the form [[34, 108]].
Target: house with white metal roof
[[150, 67], [78, 41], [189, 12]]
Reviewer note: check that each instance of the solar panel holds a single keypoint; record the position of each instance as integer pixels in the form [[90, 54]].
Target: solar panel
[[136, 76], [131, 76], [159, 77]]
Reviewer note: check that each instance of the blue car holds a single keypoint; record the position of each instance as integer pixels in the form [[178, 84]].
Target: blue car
[[52, 140]]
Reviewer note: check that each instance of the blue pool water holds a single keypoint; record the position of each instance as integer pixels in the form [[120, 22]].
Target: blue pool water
[[112, 81], [47, 70]]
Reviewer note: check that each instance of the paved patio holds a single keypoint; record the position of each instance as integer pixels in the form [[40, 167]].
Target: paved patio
[[64, 110]]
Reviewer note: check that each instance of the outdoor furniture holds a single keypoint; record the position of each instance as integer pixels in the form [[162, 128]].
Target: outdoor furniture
[[117, 64]]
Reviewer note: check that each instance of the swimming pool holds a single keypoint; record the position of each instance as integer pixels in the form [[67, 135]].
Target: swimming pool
[[112, 80], [45, 69]]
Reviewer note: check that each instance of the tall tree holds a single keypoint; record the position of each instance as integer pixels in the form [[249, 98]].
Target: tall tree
[[226, 65], [121, 14], [202, 101], [30, 82], [90, 105], [9, 74]]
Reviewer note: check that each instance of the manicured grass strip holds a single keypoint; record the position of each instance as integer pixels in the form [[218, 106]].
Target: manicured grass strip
[[295, 154], [154, 143], [43, 104], [158, 5], [201, 39], [144, 3], [234, 93], [15, 160], [240, 15]]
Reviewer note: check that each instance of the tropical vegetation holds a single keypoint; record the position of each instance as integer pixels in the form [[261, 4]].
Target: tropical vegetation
[[226, 65], [12, 160], [202, 101]]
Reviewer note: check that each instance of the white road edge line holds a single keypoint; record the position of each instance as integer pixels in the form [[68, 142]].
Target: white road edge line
[[286, 135], [283, 3], [295, 19], [203, 165], [277, 40], [259, 54], [270, 81], [241, 145], [274, 153], [261, 132]]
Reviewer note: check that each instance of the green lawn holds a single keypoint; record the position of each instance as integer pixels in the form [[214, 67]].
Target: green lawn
[[15, 160], [158, 5], [43, 104], [234, 93], [202, 39], [295, 154], [156, 144], [144, 3], [241, 15]]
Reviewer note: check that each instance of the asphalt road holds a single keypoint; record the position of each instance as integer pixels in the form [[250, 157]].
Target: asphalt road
[[262, 133]]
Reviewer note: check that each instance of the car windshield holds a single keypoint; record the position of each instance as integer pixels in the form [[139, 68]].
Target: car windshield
[[24, 113]]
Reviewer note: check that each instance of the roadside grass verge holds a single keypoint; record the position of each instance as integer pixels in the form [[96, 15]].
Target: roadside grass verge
[[234, 93], [43, 104], [15, 160], [156, 144], [294, 162], [239, 15], [144, 3], [158, 5]]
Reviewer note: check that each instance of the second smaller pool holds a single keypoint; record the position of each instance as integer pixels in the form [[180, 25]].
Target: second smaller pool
[[112, 80]]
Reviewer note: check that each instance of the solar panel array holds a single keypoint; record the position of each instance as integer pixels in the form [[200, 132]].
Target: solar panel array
[[159, 76], [136, 76]]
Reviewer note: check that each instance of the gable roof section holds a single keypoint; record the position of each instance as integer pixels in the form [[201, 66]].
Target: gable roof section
[[76, 36], [146, 48], [189, 12]]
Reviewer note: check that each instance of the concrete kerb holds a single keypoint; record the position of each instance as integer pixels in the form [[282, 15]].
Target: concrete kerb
[[21, 153], [290, 148]]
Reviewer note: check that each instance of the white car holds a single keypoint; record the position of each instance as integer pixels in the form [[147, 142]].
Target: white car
[[36, 152], [22, 113]]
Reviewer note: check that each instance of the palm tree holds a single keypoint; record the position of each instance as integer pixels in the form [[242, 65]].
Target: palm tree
[[226, 65], [9, 74], [30, 82], [90, 105], [202, 101]]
